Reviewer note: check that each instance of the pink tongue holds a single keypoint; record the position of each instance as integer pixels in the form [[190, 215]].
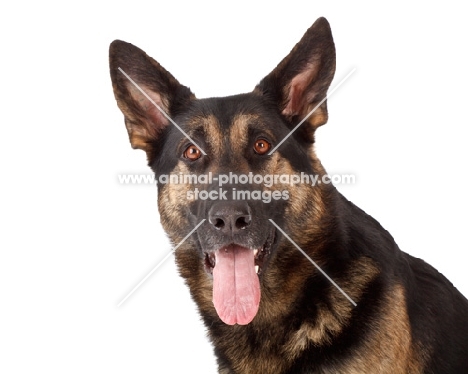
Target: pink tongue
[[236, 288]]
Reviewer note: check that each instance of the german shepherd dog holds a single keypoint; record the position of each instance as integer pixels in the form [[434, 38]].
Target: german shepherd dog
[[268, 309]]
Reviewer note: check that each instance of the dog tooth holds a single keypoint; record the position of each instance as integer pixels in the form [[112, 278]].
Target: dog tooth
[[255, 252], [256, 269]]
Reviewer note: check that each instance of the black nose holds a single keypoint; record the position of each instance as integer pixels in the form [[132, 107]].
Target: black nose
[[230, 217]]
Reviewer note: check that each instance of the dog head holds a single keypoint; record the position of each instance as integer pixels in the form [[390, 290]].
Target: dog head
[[225, 162]]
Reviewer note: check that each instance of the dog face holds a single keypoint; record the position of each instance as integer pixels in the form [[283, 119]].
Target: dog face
[[219, 153]]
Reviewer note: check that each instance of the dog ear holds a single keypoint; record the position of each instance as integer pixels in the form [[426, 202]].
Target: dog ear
[[302, 79], [144, 121]]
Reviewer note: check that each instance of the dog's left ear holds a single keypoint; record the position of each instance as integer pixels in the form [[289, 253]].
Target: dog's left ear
[[302, 79]]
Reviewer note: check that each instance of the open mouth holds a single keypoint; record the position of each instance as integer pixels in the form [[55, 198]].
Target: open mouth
[[236, 285], [261, 256]]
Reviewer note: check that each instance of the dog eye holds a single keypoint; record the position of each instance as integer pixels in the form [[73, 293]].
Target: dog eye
[[261, 146], [192, 153]]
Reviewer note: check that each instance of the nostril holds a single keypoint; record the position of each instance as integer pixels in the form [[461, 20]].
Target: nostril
[[242, 222], [218, 223]]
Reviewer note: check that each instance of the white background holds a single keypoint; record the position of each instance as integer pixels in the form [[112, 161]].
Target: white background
[[74, 242]]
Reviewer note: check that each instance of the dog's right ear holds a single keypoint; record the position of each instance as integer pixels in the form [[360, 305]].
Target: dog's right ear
[[144, 121]]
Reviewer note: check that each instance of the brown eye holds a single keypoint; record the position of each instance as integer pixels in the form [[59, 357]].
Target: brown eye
[[261, 146], [192, 153]]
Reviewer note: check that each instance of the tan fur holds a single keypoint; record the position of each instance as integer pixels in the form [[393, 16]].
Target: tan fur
[[172, 204], [332, 318], [142, 117], [238, 132], [214, 136], [305, 203], [388, 348]]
